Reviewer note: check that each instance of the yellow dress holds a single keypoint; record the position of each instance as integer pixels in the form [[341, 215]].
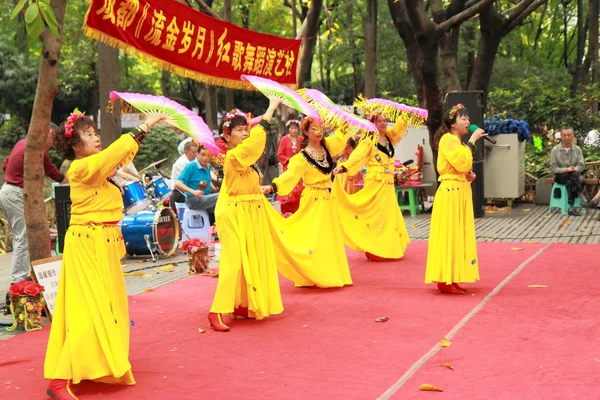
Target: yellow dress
[[370, 218], [310, 245], [89, 337], [452, 252], [248, 267]]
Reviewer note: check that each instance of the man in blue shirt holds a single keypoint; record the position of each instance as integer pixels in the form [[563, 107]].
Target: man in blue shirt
[[195, 182]]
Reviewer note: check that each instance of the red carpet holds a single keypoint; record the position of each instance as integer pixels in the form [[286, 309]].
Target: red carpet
[[327, 345]]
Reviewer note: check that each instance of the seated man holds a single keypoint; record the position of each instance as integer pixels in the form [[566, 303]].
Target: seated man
[[195, 182], [566, 163]]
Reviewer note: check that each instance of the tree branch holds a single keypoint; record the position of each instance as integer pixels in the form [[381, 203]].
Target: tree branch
[[207, 10], [417, 15], [462, 16], [524, 14], [471, 3], [514, 12]]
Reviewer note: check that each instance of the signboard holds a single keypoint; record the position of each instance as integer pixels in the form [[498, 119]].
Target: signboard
[[46, 272]]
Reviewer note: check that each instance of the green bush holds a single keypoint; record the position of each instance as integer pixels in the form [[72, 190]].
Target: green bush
[[11, 131], [160, 143]]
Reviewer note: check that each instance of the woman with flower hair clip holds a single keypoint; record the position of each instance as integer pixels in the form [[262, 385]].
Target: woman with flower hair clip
[[371, 220], [289, 146], [248, 282], [309, 243], [89, 337], [452, 250]]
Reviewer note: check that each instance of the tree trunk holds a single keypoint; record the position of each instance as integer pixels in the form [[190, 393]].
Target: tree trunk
[[294, 19], [353, 50], [449, 53], [110, 79], [469, 37], [581, 34], [210, 101], [371, 49], [308, 31], [165, 83], [592, 42], [594, 15], [407, 34], [95, 91], [48, 87], [229, 97]]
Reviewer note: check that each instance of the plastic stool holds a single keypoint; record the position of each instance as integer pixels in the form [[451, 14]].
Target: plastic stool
[[196, 224], [413, 204], [180, 207], [562, 201]]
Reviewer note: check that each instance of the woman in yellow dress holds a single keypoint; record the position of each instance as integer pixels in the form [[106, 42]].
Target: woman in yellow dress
[[248, 282], [310, 246], [452, 252], [89, 337], [371, 219]]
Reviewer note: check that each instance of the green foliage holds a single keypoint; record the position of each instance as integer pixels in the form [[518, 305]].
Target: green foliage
[[11, 132], [160, 143], [37, 15]]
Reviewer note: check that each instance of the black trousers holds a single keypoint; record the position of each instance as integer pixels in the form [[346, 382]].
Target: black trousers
[[574, 183]]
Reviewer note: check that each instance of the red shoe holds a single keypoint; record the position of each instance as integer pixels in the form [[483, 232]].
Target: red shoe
[[217, 322], [444, 288], [459, 288], [60, 389], [373, 257], [241, 312]]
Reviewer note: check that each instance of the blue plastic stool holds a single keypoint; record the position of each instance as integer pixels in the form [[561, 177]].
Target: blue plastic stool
[[562, 201]]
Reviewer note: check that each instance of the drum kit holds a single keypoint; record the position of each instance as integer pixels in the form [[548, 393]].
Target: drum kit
[[149, 227]]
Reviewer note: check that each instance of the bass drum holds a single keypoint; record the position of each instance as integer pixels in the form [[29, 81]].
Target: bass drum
[[147, 232]]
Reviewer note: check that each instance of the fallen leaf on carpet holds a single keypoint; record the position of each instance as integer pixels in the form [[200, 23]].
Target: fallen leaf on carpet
[[138, 273], [517, 248], [180, 366], [430, 388], [537, 286], [145, 276], [526, 209], [175, 349], [200, 330], [446, 365], [547, 216], [445, 342], [127, 274], [165, 377], [382, 319], [532, 242], [149, 290]]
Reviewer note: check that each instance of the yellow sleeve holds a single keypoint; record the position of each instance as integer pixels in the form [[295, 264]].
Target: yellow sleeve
[[359, 157], [250, 150], [95, 169], [287, 181], [397, 132], [336, 143], [459, 156]]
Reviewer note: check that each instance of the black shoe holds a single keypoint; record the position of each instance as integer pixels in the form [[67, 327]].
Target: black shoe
[[573, 211]]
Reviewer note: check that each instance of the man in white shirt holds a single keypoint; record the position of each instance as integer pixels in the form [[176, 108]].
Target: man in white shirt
[[190, 152]]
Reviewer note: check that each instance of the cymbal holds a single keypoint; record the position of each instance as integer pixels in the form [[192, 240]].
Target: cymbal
[[154, 164]]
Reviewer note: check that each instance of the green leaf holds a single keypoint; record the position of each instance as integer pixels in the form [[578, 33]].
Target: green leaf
[[18, 9], [35, 28], [48, 14], [32, 13]]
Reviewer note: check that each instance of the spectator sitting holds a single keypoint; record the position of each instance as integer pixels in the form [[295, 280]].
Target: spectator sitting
[[190, 153], [195, 182], [566, 163]]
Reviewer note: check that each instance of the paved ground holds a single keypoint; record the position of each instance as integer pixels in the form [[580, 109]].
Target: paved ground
[[523, 223]]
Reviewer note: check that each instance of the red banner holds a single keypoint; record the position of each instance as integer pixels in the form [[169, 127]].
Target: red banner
[[186, 42]]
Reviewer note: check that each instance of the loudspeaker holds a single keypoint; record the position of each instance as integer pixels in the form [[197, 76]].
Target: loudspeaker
[[62, 199], [473, 101]]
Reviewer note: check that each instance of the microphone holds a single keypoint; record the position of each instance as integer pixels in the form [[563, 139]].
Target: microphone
[[473, 128]]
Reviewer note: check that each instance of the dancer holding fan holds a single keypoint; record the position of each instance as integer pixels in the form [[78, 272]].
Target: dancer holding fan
[[371, 220], [452, 252], [89, 338], [248, 282]]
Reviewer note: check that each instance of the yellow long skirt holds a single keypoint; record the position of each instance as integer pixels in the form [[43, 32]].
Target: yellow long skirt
[[371, 219], [309, 244], [248, 271], [452, 252], [89, 337]]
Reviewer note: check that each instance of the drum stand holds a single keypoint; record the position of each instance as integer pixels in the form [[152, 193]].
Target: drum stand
[[147, 239]]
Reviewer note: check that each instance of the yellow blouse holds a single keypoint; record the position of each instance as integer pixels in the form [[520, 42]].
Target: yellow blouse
[[94, 198], [299, 168], [241, 178], [454, 159], [365, 154]]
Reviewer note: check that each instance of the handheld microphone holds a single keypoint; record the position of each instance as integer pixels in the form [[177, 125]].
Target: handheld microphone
[[473, 128]]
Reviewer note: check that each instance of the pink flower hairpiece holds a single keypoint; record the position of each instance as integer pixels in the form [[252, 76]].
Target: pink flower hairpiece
[[454, 110], [292, 121], [73, 117], [229, 116]]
